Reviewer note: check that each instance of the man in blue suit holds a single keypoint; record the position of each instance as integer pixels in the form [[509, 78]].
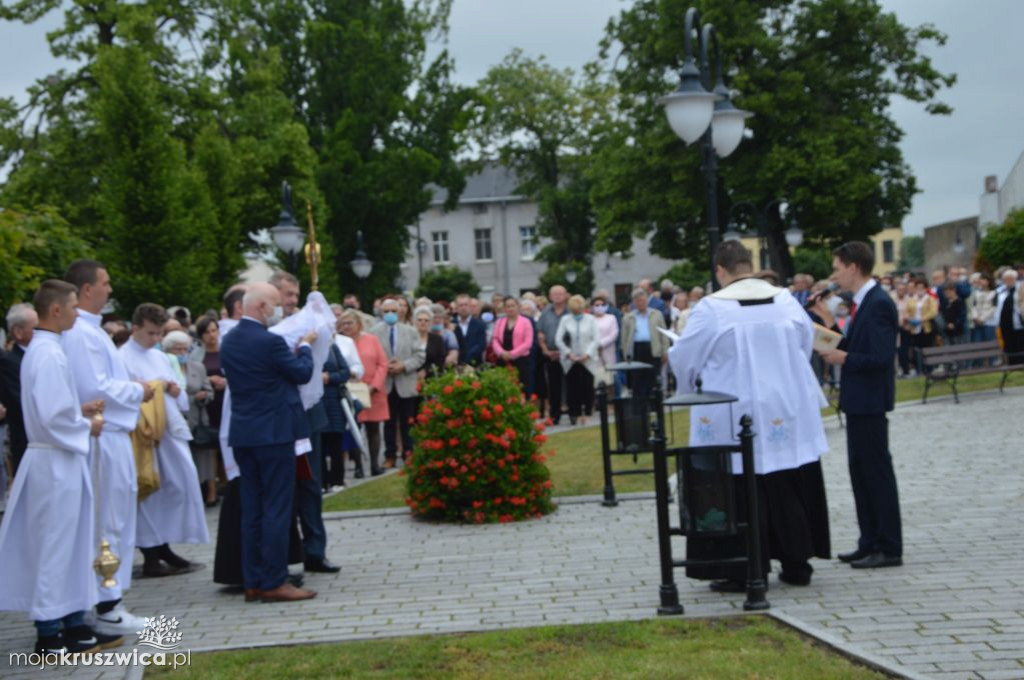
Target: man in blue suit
[[866, 393], [470, 332], [266, 420]]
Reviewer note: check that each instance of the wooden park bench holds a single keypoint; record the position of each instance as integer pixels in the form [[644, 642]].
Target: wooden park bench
[[949, 362]]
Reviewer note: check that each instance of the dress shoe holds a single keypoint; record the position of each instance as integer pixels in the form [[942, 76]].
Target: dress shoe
[[157, 570], [359, 474], [322, 566], [728, 585], [296, 580], [377, 472], [853, 556], [877, 560], [286, 592], [795, 578]]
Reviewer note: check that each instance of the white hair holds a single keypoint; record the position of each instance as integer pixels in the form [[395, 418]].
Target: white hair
[[423, 309], [17, 315], [176, 339]]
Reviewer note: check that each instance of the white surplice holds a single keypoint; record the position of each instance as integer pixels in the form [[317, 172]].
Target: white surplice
[[759, 353], [174, 513], [47, 537], [99, 373]]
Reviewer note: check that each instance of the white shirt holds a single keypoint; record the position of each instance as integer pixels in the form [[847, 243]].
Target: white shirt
[[99, 372], [151, 364], [347, 347]]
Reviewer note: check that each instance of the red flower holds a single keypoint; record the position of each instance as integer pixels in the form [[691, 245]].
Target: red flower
[[477, 505], [497, 501], [476, 385], [540, 438], [547, 483], [498, 408], [453, 442], [459, 383], [447, 389]]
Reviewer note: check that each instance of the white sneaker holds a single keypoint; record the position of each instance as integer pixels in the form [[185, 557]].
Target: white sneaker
[[118, 621]]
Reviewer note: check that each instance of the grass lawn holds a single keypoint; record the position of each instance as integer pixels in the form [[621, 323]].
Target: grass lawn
[[576, 467], [755, 647]]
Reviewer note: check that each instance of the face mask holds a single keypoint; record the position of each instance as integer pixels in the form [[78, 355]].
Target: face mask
[[487, 317], [276, 314], [159, 346], [577, 316], [182, 359], [437, 328], [600, 309], [391, 318]]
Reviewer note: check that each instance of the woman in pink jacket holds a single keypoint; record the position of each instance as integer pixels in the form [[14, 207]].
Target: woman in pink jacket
[[513, 341], [375, 372]]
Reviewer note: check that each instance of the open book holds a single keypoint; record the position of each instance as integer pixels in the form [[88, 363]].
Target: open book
[[825, 338]]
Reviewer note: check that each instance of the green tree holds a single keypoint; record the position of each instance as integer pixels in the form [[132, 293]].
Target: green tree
[[37, 245], [537, 121], [820, 78], [686, 275], [813, 260], [911, 253], [444, 283], [1004, 244]]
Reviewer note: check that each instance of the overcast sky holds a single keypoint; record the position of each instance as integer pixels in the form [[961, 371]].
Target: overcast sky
[[950, 155]]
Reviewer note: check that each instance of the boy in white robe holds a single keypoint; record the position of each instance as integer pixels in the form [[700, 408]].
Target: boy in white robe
[[47, 534], [754, 341], [175, 512], [99, 373]]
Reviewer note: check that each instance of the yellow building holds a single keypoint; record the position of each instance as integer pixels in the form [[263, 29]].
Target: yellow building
[[887, 250]]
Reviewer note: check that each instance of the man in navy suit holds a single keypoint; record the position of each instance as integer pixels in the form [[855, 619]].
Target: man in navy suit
[[470, 332], [266, 420], [866, 393]]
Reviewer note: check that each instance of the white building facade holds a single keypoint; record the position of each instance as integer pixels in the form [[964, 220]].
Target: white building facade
[[997, 201], [493, 234]]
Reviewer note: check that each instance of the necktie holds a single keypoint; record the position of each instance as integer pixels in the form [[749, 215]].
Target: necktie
[[392, 341]]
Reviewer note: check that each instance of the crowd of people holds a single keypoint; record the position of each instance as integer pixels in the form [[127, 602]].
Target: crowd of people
[[202, 397]]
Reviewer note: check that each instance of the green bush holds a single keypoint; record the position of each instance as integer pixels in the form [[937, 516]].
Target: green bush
[[478, 451], [1004, 245], [444, 283]]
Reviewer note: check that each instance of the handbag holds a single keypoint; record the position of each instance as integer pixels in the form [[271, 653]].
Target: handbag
[[205, 437], [360, 391]]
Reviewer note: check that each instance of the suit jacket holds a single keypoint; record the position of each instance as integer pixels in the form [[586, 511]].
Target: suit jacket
[[408, 350], [473, 343], [868, 384], [655, 320], [10, 397], [264, 376], [522, 337]]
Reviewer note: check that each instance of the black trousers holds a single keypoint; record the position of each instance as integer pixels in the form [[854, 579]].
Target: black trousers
[[333, 473], [906, 341], [555, 375], [875, 493], [642, 382], [579, 387], [401, 410]]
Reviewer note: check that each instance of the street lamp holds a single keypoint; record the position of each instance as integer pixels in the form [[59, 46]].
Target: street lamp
[[695, 112], [287, 235], [361, 267]]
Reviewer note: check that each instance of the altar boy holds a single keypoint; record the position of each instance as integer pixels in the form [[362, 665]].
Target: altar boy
[[48, 534]]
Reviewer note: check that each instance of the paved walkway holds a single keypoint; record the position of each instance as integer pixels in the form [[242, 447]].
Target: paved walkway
[[956, 609]]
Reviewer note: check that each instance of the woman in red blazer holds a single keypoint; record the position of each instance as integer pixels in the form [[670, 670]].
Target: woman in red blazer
[[513, 340], [375, 372]]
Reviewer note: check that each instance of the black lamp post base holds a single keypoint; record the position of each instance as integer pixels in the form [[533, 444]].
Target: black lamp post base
[[756, 600], [609, 498], [669, 600]]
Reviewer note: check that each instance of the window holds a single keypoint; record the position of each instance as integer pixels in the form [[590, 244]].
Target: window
[[887, 251], [479, 208], [528, 242], [440, 239], [482, 238]]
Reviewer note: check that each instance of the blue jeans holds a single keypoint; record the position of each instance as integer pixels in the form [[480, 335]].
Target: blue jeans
[[983, 334], [268, 492], [51, 627]]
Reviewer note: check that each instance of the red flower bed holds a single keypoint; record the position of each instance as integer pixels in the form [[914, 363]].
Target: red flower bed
[[477, 457]]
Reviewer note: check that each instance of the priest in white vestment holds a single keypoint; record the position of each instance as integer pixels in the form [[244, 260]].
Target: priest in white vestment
[[99, 373], [754, 341], [47, 536], [174, 513]]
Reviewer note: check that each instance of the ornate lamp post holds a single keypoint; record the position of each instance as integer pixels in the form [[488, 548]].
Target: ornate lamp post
[[696, 112], [361, 267], [288, 236]]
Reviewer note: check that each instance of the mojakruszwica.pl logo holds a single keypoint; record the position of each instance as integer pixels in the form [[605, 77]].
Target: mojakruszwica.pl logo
[[160, 633]]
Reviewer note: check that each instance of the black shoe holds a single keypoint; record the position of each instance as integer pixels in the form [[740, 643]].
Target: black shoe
[[82, 640], [877, 560], [572, 420], [359, 474], [50, 644], [85, 633], [322, 565], [857, 554], [795, 578], [296, 580], [157, 570], [377, 472], [728, 585]]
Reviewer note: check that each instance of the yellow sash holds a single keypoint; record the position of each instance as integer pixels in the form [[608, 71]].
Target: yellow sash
[[147, 434]]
